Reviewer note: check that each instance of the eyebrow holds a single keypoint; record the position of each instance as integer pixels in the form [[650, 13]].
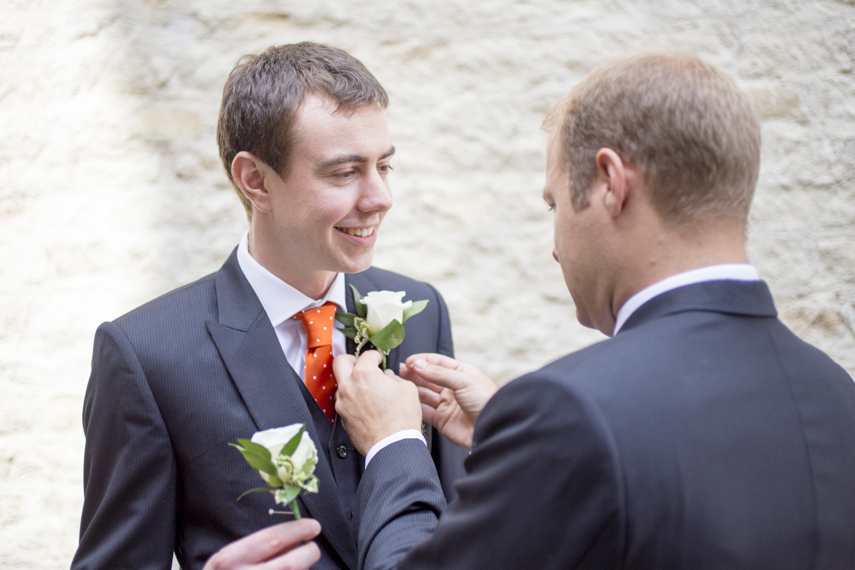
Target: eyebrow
[[343, 159]]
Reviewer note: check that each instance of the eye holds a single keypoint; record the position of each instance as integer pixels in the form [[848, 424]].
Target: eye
[[385, 168], [345, 175]]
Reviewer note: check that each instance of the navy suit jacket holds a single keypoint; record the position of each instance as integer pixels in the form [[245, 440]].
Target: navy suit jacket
[[173, 382], [703, 435]]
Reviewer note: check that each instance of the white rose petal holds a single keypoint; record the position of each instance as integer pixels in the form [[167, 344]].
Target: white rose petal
[[384, 307], [275, 439], [306, 451]]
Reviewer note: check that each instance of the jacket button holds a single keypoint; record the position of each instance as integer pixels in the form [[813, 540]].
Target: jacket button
[[341, 452]]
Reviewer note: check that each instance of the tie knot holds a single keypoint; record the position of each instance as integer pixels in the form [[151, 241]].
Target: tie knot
[[319, 324]]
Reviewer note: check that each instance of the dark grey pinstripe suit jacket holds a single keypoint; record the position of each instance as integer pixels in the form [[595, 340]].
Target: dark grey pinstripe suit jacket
[[704, 435], [172, 383]]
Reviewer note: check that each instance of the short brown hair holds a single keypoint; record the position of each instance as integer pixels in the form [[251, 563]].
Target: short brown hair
[[681, 122], [263, 93]]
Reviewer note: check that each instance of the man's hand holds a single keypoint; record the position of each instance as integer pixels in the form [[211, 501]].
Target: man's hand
[[371, 404], [273, 548], [452, 394]]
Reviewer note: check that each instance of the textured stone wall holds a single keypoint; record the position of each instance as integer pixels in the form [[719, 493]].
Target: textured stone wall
[[111, 190]]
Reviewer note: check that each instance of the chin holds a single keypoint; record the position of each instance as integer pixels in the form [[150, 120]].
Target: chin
[[584, 320], [355, 265]]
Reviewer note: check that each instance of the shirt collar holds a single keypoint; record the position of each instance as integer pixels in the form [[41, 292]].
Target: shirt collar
[[726, 271], [279, 299]]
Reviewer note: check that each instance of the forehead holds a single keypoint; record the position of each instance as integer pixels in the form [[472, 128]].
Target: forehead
[[321, 128], [557, 180], [554, 158]]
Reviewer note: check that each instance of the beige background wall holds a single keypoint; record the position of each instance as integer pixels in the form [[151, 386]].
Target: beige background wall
[[111, 191]]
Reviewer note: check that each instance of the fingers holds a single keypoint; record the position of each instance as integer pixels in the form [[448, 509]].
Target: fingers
[[441, 374], [301, 558], [435, 359], [271, 542], [369, 359], [343, 366], [429, 397], [413, 377], [428, 414]]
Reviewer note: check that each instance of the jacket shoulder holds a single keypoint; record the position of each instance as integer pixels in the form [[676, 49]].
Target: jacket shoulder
[[175, 309]]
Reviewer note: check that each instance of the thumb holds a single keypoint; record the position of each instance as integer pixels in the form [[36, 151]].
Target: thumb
[[343, 366], [439, 375]]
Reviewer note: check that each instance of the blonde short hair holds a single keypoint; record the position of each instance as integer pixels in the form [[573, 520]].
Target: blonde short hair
[[680, 121]]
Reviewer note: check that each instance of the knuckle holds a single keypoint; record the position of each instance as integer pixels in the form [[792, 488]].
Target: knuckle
[[272, 538], [222, 560]]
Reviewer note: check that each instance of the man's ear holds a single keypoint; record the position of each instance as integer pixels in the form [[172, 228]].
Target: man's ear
[[615, 173], [250, 173]]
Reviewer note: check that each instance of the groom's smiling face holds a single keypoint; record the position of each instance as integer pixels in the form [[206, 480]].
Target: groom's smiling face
[[327, 209]]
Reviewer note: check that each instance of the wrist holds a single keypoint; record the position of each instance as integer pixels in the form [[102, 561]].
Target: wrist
[[407, 433]]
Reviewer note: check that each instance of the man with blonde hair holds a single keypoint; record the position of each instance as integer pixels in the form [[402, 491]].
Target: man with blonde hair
[[703, 434]]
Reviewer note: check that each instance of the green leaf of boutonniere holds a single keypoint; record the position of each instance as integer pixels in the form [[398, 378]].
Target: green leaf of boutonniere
[[357, 302], [260, 490], [391, 336], [287, 494], [255, 448], [292, 444], [349, 332], [414, 309], [345, 318], [256, 460]]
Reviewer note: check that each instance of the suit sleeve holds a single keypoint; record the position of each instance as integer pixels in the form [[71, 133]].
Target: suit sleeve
[[447, 457], [129, 472], [542, 491]]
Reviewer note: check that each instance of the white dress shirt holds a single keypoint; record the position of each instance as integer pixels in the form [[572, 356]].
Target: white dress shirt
[[281, 302], [723, 272]]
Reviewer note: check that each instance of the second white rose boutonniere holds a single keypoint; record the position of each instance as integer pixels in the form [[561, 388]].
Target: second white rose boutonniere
[[285, 457], [379, 319]]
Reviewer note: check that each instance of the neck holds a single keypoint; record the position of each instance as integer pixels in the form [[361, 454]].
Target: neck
[[274, 258], [672, 251]]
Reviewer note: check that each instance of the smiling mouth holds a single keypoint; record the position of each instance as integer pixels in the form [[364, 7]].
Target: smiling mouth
[[358, 232]]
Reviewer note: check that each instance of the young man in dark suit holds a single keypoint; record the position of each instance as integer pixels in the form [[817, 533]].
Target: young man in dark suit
[[303, 137], [704, 434]]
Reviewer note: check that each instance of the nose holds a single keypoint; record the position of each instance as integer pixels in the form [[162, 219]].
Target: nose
[[555, 255], [376, 196]]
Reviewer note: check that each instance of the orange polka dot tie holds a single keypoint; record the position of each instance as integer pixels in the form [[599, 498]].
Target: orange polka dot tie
[[319, 377]]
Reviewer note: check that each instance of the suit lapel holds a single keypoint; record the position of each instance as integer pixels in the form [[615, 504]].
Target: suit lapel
[[271, 390]]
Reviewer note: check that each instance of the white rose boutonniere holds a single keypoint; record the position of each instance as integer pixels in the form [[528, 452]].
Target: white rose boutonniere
[[285, 457], [379, 319]]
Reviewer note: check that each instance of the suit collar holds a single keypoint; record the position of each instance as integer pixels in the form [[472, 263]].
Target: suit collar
[[237, 304], [747, 298], [271, 390], [729, 271]]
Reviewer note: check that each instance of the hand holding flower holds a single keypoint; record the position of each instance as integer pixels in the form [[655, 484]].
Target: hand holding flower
[[373, 404]]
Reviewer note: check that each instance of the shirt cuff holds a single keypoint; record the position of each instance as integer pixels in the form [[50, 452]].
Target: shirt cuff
[[390, 439]]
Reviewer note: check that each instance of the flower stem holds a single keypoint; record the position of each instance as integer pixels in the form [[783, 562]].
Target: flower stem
[[295, 509], [383, 366]]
